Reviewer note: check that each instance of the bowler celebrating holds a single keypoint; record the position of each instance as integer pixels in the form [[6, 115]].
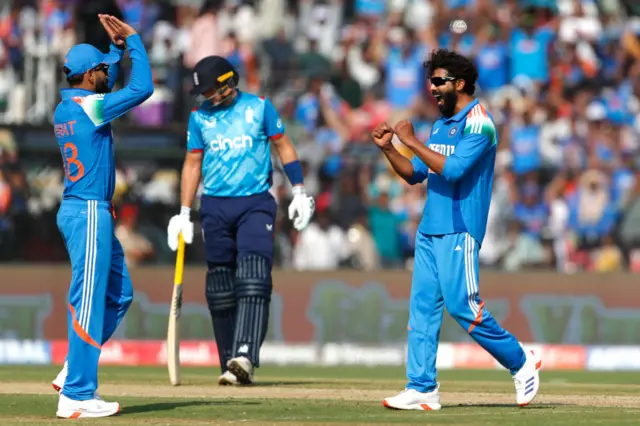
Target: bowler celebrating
[[101, 289], [228, 144], [458, 161]]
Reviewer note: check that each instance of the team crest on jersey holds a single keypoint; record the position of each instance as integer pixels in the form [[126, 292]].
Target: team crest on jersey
[[211, 122], [453, 131]]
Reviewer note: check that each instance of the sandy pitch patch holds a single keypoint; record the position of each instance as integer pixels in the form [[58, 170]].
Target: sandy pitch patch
[[268, 392]]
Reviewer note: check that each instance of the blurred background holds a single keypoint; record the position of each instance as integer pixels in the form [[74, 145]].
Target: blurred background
[[560, 77]]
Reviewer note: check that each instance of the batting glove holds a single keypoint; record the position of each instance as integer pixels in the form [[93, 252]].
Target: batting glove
[[180, 223], [301, 208]]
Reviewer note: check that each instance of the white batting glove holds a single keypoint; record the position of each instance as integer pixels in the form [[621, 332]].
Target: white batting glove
[[301, 208], [180, 223]]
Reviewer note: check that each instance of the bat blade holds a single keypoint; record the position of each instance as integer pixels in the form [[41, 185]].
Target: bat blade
[[173, 329], [173, 337]]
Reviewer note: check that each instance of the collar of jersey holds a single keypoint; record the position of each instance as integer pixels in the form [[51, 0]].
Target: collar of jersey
[[71, 92], [463, 113]]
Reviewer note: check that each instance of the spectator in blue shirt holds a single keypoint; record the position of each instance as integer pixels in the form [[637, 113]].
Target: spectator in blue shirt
[[403, 70], [492, 62], [525, 144], [529, 49], [532, 212], [592, 214]]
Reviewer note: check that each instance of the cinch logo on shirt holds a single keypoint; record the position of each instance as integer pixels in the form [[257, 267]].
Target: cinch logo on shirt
[[443, 149], [224, 144]]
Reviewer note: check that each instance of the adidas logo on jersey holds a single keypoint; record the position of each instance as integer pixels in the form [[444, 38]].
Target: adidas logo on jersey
[[225, 144]]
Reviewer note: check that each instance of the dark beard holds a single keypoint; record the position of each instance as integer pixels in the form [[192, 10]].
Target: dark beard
[[449, 101], [102, 86]]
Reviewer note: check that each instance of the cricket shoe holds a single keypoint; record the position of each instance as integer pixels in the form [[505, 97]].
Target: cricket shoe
[[227, 379], [242, 369], [527, 380], [58, 382], [411, 399], [91, 408]]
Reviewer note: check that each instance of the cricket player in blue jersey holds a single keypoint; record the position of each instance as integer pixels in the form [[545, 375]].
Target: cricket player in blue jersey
[[101, 291], [458, 162], [228, 144]]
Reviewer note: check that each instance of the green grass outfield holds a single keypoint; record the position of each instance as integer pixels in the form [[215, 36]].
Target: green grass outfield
[[321, 396]]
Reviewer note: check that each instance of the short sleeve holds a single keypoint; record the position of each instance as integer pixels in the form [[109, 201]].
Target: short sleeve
[[273, 126], [420, 170], [194, 135]]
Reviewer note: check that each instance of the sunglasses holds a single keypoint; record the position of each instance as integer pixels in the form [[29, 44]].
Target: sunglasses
[[441, 81], [101, 67]]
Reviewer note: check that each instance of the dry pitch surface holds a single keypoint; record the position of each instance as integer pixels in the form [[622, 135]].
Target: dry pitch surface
[[299, 395]]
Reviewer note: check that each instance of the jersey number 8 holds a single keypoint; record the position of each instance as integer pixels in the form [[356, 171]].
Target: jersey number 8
[[70, 159]]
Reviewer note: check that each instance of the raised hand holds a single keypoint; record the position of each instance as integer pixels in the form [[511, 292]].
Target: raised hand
[[404, 130], [118, 31], [382, 135]]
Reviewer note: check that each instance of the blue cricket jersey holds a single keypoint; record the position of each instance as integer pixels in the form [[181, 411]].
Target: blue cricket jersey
[[458, 199], [82, 125], [234, 140]]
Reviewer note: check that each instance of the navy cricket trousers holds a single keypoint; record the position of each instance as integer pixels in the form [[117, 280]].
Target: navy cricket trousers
[[235, 227]]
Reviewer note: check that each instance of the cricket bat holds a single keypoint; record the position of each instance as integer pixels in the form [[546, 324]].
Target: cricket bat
[[173, 331]]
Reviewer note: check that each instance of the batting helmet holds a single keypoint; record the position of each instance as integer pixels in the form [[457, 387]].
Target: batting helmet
[[213, 72]]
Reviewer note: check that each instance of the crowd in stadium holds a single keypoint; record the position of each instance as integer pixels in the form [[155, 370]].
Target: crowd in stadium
[[561, 79]]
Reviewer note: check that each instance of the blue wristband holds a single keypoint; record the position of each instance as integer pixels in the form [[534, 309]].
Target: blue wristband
[[294, 172]]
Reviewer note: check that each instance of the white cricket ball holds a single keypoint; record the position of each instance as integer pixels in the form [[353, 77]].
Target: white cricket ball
[[458, 26]]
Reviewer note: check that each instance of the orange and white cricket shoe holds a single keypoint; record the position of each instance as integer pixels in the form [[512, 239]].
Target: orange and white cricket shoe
[[58, 382], [527, 380], [91, 408], [411, 399]]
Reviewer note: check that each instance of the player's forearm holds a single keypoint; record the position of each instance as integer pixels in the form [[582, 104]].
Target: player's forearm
[[401, 164], [114, 69], [287, 153], [289, 158], [434, 160], [191, 173], [141, 84]]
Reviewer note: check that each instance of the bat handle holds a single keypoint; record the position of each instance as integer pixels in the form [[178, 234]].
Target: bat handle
[[179, 260]]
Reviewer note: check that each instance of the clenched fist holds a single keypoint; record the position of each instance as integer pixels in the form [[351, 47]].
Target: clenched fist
[[382, 135], [404, 130]]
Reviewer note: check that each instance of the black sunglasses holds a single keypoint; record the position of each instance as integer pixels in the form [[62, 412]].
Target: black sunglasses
[[101, 67], [440, 81]]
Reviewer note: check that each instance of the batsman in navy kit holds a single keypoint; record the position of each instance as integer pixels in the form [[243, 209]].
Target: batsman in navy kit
[[228, 145]]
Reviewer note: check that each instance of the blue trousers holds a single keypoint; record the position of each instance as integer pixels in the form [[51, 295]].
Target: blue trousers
[[100, 292], [236, 227], [446, 275]]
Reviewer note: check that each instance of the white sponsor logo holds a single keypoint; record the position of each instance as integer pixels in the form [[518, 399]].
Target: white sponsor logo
[[458, 248], [243, 349], [248, 115], [225, 144], [279, 123], [195, 79], [269, 227], [24, 352], [443, 149], [436, 130]]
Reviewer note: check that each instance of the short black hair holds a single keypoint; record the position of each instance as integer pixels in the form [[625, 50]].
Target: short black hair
[[74, 80], [456, 65]]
